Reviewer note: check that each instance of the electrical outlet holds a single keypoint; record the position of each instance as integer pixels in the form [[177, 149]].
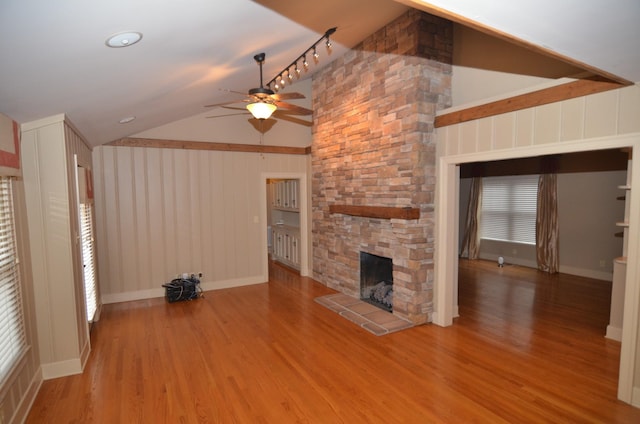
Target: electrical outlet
[[514, 252], [602, 263]]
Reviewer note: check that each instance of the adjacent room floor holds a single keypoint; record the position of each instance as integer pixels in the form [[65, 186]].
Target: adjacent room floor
[[527, 347]]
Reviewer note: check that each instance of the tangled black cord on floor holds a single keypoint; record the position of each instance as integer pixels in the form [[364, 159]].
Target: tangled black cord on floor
[[180, 289]]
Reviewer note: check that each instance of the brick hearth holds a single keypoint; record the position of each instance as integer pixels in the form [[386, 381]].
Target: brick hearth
[[374, 145]]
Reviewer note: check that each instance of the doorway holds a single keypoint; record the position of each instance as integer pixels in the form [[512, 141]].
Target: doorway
[[285, 217], [446, 257]]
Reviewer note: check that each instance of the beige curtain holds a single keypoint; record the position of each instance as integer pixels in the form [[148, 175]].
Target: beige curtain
[[471, 241], [547, 224]]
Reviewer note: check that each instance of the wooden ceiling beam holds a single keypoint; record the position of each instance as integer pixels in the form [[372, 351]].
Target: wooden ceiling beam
[[578, 88], [202, 145]]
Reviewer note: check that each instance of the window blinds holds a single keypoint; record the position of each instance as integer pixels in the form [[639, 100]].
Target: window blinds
[[88, 259], [12, 332], [509, 208]]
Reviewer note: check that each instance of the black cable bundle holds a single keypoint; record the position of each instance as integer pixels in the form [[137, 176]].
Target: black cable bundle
[[183, 289]]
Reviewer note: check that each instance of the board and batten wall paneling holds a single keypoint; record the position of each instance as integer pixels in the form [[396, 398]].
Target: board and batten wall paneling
[[598, 115], [162, 212]]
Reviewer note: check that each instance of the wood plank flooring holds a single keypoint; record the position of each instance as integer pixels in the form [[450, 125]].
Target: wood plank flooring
[[527, 348]]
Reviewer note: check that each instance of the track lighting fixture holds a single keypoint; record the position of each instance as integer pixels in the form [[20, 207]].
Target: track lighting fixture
[[279, 81]]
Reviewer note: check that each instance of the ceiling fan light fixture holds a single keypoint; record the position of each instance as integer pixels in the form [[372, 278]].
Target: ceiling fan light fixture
[[261, 110]]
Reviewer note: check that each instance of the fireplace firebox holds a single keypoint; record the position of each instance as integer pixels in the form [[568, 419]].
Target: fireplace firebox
[[376, 280]]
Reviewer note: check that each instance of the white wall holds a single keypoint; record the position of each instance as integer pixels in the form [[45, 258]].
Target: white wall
[[162, 212], [587, 213]]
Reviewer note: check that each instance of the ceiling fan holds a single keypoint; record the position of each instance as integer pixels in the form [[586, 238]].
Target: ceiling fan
[[262, 102]]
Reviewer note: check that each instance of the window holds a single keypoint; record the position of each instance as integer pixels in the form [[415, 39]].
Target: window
[[12, 333], [509, 208], [88, 259]]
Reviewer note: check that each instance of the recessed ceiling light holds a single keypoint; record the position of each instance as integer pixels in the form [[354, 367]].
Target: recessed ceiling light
[[127, 119], [123, 39]]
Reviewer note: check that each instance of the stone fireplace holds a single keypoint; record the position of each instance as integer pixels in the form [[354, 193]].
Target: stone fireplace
[[373, 158]]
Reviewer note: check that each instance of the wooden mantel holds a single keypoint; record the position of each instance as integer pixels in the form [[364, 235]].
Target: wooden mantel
[[383, 212]]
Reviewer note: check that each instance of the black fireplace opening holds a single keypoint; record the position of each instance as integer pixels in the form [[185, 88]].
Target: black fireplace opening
[[376, 280]]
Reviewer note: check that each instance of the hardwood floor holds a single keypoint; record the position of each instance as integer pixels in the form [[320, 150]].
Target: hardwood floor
[[527, 348]]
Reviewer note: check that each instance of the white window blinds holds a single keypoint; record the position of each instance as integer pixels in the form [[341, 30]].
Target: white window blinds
[[88, 259], [509, 208], [12, 333]]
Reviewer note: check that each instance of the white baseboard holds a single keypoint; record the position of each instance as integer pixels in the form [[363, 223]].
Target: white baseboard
[[159, 292], [23, 408], [580, 272], [635, 397], [61, 369], [587, 273], [132, 295], [509, 260], [614, 333], [84, 353]]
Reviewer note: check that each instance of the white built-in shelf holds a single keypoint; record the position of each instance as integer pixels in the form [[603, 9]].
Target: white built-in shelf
[[621, 260], [624, 187], [622, 224]]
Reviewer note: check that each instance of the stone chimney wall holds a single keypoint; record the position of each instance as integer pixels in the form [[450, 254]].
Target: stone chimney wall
[[374, 145]]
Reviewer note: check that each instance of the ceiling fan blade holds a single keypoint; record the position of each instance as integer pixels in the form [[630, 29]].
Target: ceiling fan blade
[[280, 115], [235, 108], [287, 96], [223, 103], [294, 109], [232, 91], [231, 101], [230, 114]]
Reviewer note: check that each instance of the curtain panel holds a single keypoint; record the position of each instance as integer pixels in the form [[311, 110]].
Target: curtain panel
[[547, 243], [471, 242]]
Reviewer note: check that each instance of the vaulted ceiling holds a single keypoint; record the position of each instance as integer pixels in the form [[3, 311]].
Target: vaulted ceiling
[[54, 57]]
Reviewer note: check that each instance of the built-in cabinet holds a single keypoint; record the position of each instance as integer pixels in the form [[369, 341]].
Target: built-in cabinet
[[614, 329], [284, 218]]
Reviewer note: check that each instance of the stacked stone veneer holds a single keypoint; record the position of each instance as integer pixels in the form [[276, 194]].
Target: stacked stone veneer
[[374, 145]]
